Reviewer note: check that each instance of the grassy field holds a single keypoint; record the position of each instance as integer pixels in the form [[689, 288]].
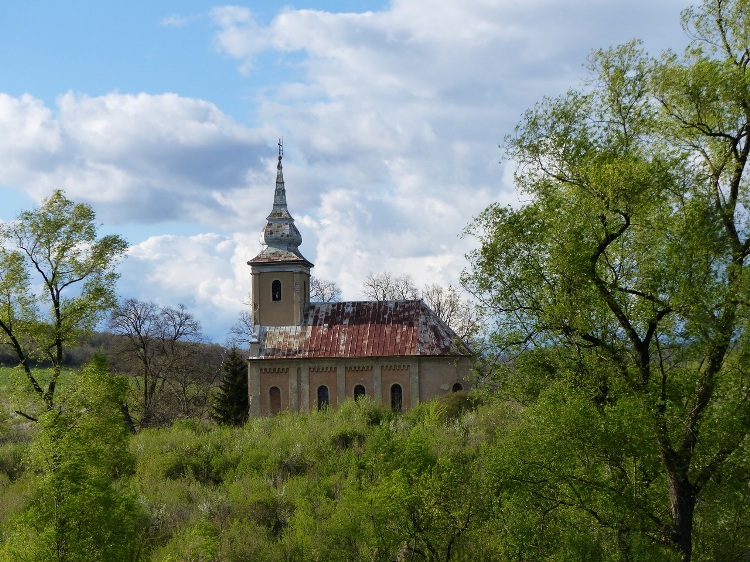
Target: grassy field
[[11, 375]]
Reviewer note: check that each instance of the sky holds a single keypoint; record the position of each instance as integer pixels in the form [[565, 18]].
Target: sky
[[164, 117]]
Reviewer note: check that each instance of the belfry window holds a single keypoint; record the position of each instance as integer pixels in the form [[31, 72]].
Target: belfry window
[[397, 398], [276, 290]]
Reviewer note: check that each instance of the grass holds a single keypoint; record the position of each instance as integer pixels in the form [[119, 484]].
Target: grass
[[10, 375]]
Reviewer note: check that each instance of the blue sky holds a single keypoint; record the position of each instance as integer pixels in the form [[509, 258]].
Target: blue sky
[[163, 115]]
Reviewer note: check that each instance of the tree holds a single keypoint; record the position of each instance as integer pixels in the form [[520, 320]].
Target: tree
[[79, 457], [460, 314], [624, 280], [163, 348], [241, 331], [322, 290], [54, 246], [388, 287], [446, 302], [231, 405]]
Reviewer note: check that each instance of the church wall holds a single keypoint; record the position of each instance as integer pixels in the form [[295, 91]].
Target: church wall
[[359, 375], [421, 379], [323, 376], [396, 374], [278, 377], [439, 374]]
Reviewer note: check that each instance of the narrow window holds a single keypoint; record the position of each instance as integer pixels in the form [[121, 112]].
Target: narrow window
[[274, 395], [323, 399], [457, 387], [397, 398], [359, 391], [276, 290]]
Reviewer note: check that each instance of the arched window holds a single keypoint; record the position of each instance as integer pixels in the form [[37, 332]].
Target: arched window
[[276, 290], [457, 387], [359, 391], [274, 395], [323, 398], [397, 398]]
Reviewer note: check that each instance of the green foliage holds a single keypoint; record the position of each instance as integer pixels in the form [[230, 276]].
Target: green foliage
[[231, 403], [56, 247], [81, 510], [198, 543], [618, 293], [359, 483]]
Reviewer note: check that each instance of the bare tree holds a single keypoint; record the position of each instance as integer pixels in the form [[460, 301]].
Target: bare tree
[[164, 350], [241, 330], [460, 314], [322, 290], [388, 287]]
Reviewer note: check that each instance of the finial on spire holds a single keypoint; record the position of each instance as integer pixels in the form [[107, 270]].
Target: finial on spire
[[281, 150]]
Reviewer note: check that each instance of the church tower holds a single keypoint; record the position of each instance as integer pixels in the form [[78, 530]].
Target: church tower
[[280, 273]]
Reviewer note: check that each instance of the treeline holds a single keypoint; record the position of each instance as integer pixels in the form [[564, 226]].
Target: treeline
[[72, 357], [177, 379], [96, 343]]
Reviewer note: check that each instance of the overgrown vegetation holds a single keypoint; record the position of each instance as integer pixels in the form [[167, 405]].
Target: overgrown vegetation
[[620, 291], [445, 481], [618, 428], [357, 484]]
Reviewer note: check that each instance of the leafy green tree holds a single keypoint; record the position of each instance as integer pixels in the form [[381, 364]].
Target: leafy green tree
[[427, 498], [81, 509], [231, 406], [625, 277], [56, 247]]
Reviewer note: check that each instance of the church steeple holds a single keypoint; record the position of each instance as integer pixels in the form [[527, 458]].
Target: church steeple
[[281, 274], [280, 233]]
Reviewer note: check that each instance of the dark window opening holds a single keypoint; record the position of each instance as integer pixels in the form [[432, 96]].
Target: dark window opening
[[457, 387], [359, 391], [274, 394], [397, 398], [276, 290], [323, 397]]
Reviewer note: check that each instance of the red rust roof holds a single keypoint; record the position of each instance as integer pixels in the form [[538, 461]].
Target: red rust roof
[[362, 329]]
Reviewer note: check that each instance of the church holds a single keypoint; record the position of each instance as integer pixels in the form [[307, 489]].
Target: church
[[308, 355]]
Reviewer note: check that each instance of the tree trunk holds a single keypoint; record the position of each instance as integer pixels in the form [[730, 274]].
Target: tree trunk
[[682, 508]]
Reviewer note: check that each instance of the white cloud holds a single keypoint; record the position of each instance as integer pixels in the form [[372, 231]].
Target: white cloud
[[391, 118], [175, 20], [208, 273], [141, 157], [397, 114]]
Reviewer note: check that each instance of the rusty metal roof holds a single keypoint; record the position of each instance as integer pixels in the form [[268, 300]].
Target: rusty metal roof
[[362, 329]]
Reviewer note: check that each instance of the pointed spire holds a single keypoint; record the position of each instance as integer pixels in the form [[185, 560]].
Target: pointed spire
[[280, 236], [279, 198]]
